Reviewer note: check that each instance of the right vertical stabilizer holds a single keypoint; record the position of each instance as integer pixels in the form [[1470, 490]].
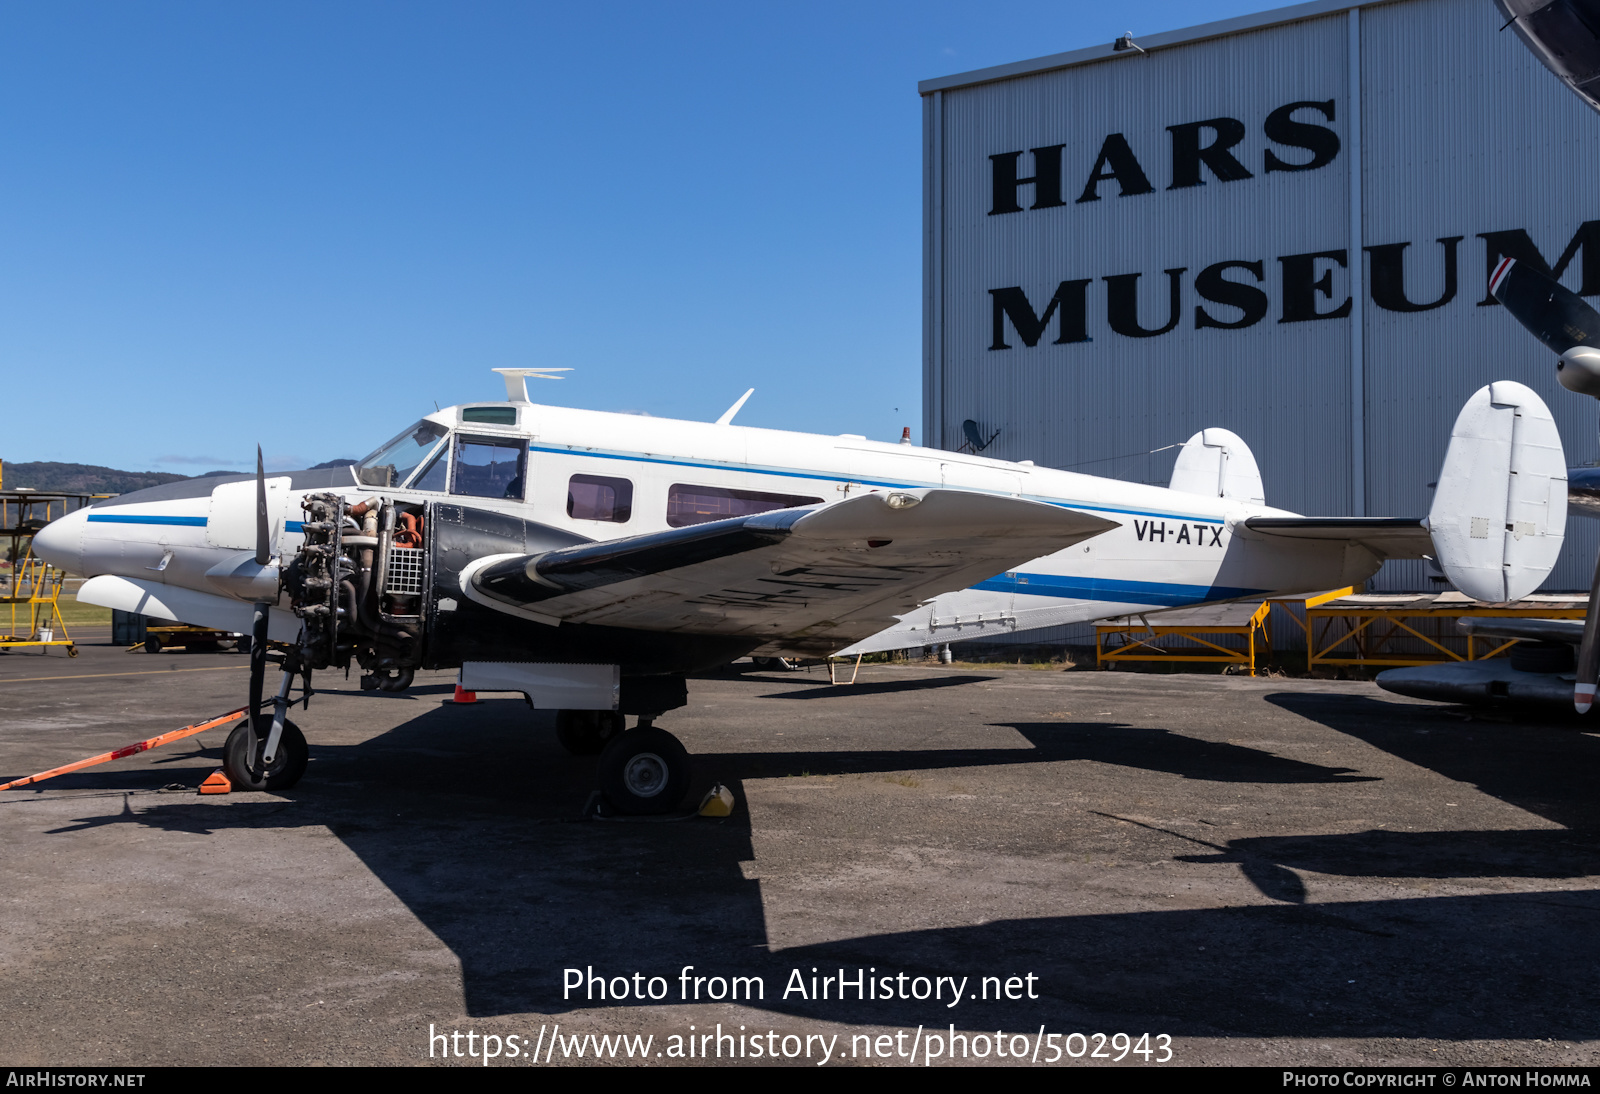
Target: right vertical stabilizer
[[1500, 512]]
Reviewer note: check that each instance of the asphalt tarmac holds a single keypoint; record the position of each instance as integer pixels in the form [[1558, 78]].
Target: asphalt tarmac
[[1250, 871]]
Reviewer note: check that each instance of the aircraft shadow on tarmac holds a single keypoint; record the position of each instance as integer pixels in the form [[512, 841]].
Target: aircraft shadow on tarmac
[[1544, 767], [469, 819], [822, 689]]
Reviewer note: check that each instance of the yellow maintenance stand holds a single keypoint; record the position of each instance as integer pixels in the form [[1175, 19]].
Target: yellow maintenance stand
[[30, 589]]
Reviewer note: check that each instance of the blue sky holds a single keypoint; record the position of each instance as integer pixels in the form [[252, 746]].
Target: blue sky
[[303, 224]]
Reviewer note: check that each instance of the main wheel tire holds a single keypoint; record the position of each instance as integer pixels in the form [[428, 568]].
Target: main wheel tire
[[586, 732], [287, 767], [644, 772]]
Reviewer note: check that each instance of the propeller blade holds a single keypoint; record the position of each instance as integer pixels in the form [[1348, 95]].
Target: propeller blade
[[1553, 313], [263, 534], [1565, 36], [1588, 673], [261, 621]]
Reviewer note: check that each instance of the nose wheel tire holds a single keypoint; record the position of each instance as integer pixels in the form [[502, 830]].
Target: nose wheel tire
[[586, 732], [644, 771], [287, 767]]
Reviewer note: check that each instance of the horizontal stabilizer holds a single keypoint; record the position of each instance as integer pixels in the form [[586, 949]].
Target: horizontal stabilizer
[[1385, 537], [1532, 630], [1500, 511], [1583, 491]]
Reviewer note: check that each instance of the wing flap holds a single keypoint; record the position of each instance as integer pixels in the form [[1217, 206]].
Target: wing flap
[[813, 578]]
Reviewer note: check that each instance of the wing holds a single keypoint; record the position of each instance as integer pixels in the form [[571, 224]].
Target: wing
[[813, 579], [1386, 537]]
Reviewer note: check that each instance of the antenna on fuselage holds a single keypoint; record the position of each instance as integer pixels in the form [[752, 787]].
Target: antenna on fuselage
[[517, 380], [727, 415]]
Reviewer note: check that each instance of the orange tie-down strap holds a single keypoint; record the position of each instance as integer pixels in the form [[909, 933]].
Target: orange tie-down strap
[[128, 750]]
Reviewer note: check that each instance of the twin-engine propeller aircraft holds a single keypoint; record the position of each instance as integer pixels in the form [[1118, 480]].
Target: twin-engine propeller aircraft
[[592, 560]]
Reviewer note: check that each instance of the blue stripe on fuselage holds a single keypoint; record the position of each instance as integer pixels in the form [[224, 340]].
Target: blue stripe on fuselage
[[1123, 592], [185, 522], [188, 522]]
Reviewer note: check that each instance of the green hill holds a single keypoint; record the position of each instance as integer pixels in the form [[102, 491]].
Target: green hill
[[82, 478], [85, 478]]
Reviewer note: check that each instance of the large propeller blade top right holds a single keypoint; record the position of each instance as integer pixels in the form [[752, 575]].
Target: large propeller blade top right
[[1565, 36], [1556, 316]]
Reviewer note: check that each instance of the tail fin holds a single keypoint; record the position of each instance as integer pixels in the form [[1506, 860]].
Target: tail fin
[[1217, 464], [1500, 512]]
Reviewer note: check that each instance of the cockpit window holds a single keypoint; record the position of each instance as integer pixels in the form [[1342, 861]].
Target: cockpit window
[[487, 467], [434, 475], [392, 464]]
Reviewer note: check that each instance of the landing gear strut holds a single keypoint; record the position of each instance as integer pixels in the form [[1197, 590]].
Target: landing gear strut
[[586, 732]]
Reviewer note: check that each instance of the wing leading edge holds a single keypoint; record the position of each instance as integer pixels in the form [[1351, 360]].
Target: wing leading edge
[[811, 580]]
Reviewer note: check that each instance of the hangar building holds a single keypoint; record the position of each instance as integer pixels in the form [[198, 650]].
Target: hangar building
[[1281, 224]]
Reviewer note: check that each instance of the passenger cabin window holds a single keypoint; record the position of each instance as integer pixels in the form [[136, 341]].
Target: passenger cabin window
[[688, 505], [593, 497], [392, 464], [487, 468]]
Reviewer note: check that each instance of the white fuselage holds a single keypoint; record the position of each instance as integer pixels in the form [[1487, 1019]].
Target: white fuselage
[[1171, 549]]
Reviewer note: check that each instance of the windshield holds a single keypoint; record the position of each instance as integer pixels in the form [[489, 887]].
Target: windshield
[[392, 464]]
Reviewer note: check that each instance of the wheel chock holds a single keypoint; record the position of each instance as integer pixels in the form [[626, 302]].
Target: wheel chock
[[463, 696], [717, 803], [217, 783]]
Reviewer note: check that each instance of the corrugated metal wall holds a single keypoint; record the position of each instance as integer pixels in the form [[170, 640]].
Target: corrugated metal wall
[[1461, 133]]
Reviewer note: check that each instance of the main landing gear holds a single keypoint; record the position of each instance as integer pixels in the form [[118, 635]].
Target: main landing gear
[[643, 771], [587, 732]]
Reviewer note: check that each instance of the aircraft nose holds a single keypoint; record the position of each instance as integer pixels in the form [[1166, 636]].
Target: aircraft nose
[[60, 543]]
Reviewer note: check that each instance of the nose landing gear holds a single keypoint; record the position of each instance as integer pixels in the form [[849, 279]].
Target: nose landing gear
[[243, 761]]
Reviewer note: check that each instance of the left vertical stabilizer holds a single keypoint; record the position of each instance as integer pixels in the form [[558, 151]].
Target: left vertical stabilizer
[[1216, 463]]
